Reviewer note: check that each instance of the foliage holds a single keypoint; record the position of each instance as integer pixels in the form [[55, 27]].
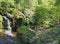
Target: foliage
[[26, 33], [49, 37], [23, 29], [1, 23], [33, 14]]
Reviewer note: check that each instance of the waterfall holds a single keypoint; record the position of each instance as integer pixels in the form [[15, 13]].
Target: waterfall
[[8, 31]]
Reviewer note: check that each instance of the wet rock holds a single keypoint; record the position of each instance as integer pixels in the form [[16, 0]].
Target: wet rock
[[7, 40]]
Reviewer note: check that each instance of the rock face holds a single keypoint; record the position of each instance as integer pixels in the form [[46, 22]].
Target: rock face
[[1, 25]]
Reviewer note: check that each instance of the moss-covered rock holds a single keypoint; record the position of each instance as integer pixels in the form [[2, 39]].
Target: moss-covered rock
[[1, 25]]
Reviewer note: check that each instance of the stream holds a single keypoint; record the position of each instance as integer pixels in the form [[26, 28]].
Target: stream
[[8, 37], [8, 30], [7, 40]]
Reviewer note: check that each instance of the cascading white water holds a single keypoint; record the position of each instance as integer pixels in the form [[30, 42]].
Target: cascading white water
[[8, 31]]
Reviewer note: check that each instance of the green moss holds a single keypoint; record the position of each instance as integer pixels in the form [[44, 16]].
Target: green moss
[[1, 18], [1, 25], [23, 29]]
